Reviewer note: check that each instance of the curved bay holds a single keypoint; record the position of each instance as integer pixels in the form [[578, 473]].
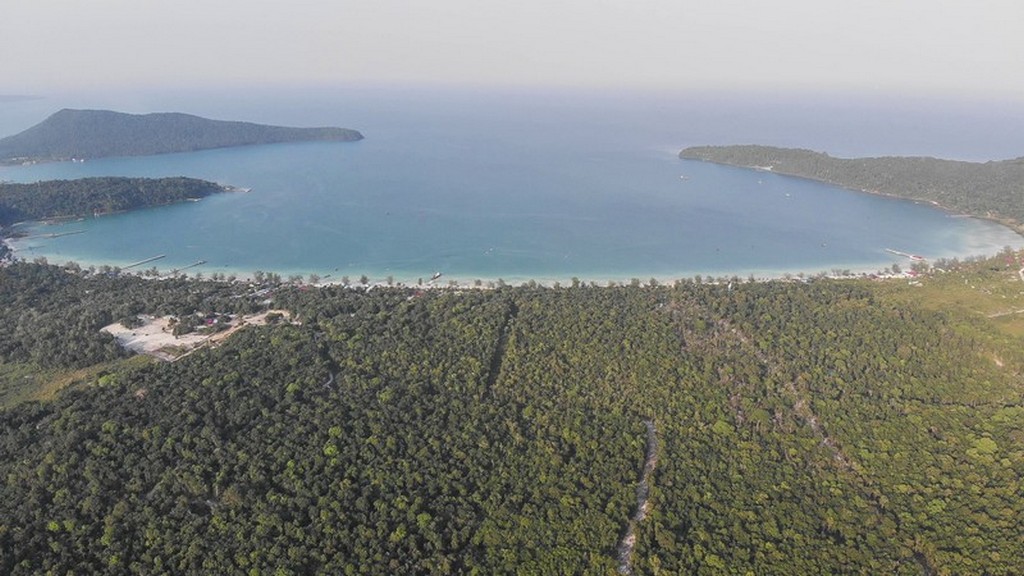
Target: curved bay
[[507, 188]]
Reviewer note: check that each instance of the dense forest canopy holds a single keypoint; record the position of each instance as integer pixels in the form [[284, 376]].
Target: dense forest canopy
[[100, 195], [84, 134], [990, 189], [826, 427]]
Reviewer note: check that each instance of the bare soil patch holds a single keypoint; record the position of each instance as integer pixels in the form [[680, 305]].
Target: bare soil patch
[[155, 337]]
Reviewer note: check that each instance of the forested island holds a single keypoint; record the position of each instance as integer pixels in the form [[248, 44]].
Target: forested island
[[820, 427], [83, 134], [992, 190], [62, 199]]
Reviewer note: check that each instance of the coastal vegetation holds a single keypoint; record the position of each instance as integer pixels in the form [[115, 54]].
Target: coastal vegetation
[[83, 134], [990, 189], [58, 199], [827, 427]]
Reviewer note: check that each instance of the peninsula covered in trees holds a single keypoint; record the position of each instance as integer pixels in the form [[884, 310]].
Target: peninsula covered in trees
[[826, 427], [83, 134], [992, 190], [55, 199]]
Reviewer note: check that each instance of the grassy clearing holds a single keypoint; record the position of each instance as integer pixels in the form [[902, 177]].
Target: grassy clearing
[[20, 383], [984, 300], [27, 382], [992, 291]]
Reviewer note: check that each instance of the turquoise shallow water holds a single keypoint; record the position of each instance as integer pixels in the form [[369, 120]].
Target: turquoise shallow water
[[512, 186]]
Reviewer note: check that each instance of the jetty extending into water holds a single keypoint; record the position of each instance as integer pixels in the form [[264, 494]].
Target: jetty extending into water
[[913, 257], [146, 261], [56, 234]]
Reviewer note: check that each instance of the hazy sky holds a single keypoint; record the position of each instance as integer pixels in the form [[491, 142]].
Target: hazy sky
[[949, 47]]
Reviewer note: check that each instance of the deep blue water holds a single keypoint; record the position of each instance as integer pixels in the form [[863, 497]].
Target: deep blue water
[[520, 185]]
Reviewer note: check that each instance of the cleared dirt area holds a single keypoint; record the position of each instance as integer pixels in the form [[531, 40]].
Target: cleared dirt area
[[155, 337]]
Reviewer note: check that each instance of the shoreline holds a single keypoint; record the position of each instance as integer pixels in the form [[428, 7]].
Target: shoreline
[[1013, 225], [19, 250], [379, 278], [1009, 223], [376, 280]]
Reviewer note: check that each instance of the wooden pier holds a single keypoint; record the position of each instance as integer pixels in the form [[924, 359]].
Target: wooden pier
[[146, 261]]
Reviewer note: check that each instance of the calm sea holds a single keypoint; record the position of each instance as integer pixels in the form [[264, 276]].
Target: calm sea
[[520, 185]]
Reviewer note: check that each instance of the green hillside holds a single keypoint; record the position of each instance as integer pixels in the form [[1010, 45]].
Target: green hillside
[[89, 196], [84, 134], [990, 189], [829, 427]]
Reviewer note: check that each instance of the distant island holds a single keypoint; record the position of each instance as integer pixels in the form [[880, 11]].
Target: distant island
[[993, 190], [84, 134], [60, 199]]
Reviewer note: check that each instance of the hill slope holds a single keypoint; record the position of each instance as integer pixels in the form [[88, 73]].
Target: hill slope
[[101, 133], [89, 196], [990, 189], [819, 428]]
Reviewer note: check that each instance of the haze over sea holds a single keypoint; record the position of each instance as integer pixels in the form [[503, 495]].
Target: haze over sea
[[528, 185]]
